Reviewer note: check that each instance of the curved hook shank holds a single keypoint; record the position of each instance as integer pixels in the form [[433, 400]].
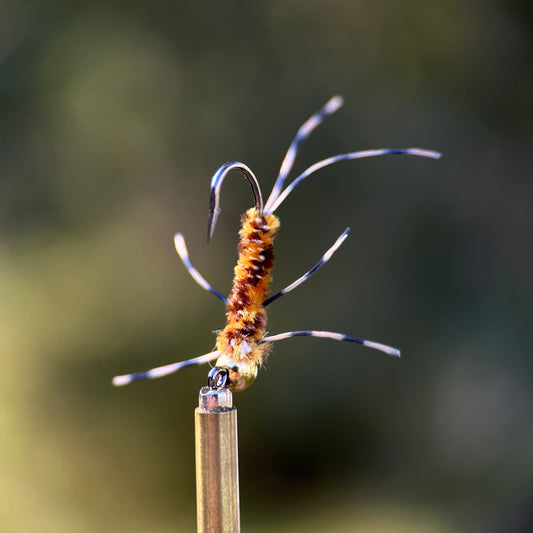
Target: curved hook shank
[[216, 184]]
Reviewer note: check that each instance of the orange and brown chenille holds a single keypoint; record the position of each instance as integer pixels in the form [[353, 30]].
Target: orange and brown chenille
[[246, 315]]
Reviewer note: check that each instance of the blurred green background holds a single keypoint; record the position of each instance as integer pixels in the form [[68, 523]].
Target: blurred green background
[[114, 116]]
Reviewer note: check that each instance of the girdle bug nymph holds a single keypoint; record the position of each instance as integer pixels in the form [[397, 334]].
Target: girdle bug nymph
[[242, 346]]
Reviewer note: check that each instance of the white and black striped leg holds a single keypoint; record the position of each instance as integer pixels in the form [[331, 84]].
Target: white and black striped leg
[[325, 258], [161, 371], [389, 350], [181, 248], [419, 152], [305, 130]]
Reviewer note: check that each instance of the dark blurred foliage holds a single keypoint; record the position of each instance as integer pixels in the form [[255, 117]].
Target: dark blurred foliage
[[114, 116]]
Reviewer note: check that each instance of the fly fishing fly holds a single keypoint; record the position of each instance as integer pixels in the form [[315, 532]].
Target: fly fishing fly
[[243, 345]]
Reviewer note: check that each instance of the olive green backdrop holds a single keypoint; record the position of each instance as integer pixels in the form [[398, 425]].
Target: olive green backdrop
[[113, 117]]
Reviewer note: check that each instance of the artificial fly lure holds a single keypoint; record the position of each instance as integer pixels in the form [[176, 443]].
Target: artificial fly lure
[[242, 346]]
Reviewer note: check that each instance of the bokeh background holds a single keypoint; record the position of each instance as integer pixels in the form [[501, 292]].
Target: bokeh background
[[114, 116]]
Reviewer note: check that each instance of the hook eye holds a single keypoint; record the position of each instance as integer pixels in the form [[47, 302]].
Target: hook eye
[[217, 378]]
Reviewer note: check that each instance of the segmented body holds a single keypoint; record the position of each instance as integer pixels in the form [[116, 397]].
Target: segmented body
[[246, 314]]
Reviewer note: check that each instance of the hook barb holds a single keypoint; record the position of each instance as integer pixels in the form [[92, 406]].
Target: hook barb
[[216, 184]]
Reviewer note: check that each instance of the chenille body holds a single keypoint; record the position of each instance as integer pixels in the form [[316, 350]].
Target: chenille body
[[246, 313]]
